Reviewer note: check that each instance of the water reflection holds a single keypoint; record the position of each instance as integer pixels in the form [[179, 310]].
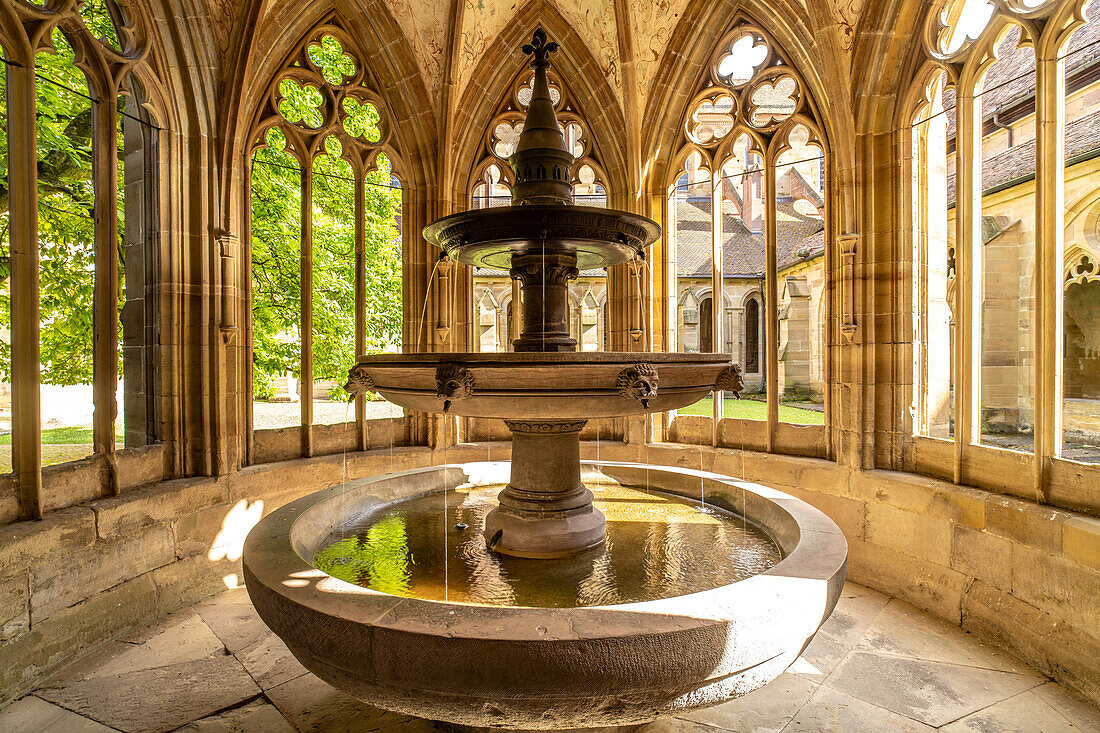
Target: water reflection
[[658, 546]]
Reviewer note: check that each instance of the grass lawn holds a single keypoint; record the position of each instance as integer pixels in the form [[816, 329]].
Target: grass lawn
[[753, 410], [64, 436]]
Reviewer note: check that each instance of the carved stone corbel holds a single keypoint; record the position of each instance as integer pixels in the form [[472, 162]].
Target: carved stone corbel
[[453, 382], [730, 380], [638, 382], [359, 381]]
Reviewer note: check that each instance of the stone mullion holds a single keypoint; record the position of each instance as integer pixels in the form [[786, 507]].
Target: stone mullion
[[306, 305], [360, 299], [716, 309], [1049, 253], [771, 304], [968, 272], [25, 317], [246, 284], [105, 302]]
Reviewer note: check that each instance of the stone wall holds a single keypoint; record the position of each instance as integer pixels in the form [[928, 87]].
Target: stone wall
[[1024, 576], [88, 574]]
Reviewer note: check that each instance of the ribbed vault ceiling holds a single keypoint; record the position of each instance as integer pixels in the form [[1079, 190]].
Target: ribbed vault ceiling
[[627, 38]]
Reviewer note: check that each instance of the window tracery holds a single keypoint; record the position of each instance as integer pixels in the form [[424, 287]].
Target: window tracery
[[491, 185], [326, 284], [998, 123], [78, 132], [746, 209]]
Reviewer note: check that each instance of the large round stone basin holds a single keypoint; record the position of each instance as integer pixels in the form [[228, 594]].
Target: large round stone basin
[[542, 386], [542, 668]]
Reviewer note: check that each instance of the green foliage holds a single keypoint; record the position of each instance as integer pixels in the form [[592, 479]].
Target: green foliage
[[378, 558], [66, 201], [263, 385], [336, 66], [276, 287]]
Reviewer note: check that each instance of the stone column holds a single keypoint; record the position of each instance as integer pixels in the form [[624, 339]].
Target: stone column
[[544, 278], [545, 511]]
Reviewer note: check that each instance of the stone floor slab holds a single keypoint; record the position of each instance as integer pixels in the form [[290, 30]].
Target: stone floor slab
[[765, 710], [905, 630], [1024, 713], [832, 711], [258, 716], [312, 705], [179, 637], [232, 618], [677, 725], [934, 693], [34, 715], [158, 699], [877, 665], [270, 663], [1075, 709]]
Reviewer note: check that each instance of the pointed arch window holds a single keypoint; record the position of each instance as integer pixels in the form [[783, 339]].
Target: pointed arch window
[[325, 246], [746, 228], [1002, 183], [77, 249], [491, 185]]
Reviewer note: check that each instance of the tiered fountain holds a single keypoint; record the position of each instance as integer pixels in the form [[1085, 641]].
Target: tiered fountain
[[639, 632]]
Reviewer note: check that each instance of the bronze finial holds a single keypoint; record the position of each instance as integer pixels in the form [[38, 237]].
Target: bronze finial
[[541, 161], [540, 49]]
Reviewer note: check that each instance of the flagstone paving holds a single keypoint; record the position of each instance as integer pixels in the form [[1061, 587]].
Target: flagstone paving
[[878, 664]]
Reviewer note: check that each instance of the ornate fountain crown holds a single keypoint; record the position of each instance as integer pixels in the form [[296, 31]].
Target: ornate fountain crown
[[541, 161]]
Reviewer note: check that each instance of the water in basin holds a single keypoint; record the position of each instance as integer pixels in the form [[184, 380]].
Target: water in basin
[[658, 546]]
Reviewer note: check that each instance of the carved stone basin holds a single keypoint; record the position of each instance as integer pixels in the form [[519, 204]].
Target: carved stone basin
[[545, 386], [545, 668]]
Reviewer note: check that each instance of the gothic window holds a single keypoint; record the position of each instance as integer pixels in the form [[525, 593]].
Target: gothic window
[[325, 243], [73, 312], [1005, 85], [746, 209], [492, 186]]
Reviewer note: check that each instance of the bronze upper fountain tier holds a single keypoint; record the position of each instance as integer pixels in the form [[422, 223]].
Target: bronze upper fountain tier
[[545, 391]]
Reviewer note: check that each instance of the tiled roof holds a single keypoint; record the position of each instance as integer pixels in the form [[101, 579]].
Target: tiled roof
[[1082, 137], [800, 237], [1012, 79]]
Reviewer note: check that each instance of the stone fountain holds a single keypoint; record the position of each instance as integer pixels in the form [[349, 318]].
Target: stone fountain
[[533, 667]]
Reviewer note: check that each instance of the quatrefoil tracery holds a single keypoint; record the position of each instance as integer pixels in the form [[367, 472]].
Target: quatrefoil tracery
[[504, 129], [321, 92], [750, 86]]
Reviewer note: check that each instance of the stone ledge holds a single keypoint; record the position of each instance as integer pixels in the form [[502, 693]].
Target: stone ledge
[[158, 503], [59, 533], [102, 565], [1057, 649]]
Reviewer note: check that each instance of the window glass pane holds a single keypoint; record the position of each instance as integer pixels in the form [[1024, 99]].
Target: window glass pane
[[5, 287], [1007, 247], [800, 249], [741, 192], [934, 242], [333, 283], [276, 194], [690, 207], [66, 241], [384, 294], [588, 293], [495, 315], [1081, 294]]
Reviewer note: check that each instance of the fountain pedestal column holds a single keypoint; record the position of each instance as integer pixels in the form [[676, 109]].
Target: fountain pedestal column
[[545, 511]]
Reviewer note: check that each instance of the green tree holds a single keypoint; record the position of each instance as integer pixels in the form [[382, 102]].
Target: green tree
[[66, 200], [276, 236]]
